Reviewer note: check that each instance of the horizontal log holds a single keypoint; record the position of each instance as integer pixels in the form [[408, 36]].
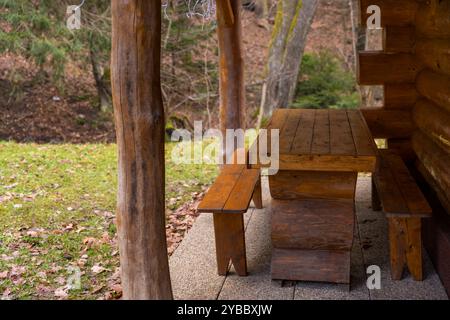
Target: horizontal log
[[434, 121], [377, 67], [443, 196], [400, 96], [433, 19], [312, 224], [291, 185], [393, 12], [435, 54], [434, 159], [384, 123], [399, 39], [435, 87]]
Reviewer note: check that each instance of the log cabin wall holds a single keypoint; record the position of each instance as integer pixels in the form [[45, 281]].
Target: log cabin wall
[[414, 68], [431, 115], [396, 68]]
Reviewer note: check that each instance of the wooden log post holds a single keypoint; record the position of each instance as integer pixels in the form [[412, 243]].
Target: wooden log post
[[232, 86], [139, 118]]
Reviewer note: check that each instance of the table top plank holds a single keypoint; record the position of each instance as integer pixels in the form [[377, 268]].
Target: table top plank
[[287, 134], [304, 134], [341, 136], [324, 140], [321, 133], [364, 143], [277, 121]]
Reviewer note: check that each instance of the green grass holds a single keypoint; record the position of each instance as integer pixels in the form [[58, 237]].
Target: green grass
[[57, 206]]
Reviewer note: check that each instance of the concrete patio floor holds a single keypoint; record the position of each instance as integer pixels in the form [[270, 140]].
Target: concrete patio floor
[[194, 276]]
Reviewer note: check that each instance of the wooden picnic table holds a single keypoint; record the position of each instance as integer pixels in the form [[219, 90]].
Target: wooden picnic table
[[320, 155]]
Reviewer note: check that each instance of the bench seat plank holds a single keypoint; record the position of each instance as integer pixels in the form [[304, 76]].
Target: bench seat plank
[[232, 191], [217, 196], [241, 195], [399, 194]]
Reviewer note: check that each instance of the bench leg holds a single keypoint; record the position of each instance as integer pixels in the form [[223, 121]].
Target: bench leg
[[230, 243], [376, 203], [405, 247], [257, 195]]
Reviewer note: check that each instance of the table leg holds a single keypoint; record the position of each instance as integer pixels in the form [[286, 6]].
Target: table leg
[[310, 256]]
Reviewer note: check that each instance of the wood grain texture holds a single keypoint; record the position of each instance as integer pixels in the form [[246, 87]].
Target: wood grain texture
[[434, 187], [399, 39], [225, 14], [229, 233], [405, 247], [387, 123], [232, 191], [324, 140], [433, 120], [312, 224], [400, 96], [435, 54], [376, 68], [139, 119], [341, 163], [399, 194], [311, 265], [341, 135], [291, 185], [435, 160], [434, 86], [433, 19], [393, 13], [231, 66]]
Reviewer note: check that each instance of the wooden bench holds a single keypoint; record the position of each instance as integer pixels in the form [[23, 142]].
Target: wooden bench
[[395, 191], [228, 199]]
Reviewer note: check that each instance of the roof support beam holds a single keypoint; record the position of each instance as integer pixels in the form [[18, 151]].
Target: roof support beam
[[232, 86], [139, 118]]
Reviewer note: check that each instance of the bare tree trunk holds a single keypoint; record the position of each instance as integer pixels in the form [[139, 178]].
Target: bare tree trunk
[[292, 24], [262, 9], [139, 118]]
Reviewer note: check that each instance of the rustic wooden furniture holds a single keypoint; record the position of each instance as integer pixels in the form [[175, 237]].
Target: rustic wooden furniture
[[413, 68], [404, 205], [228, 199], [320, 155]]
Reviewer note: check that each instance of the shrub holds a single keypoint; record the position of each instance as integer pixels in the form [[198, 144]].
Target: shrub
[[325, 83]]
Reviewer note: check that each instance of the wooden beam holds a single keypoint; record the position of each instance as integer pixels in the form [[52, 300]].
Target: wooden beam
[[393, 12], [433, 19], [435, 87], [400, 96], [435, 54], [139, 118], [435, 160], [434, 121], [377, 67], [226, 16], [232, 85], [385, 123], [399, 39]]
